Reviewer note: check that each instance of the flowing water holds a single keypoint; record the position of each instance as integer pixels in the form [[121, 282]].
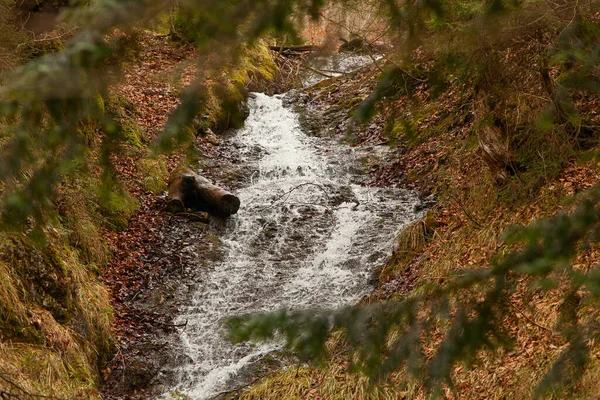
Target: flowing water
[[307, 235]]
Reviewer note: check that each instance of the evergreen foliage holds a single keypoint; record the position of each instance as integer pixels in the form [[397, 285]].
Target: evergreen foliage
[[472, 310], [46, 103]]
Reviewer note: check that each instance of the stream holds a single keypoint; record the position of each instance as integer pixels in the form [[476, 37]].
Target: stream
[[307, 235]]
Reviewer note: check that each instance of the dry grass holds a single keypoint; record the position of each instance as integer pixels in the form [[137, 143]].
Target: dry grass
[[333, 382], [38, 354], [10, 306], [92, 304], [463, 233], [27, 370], [97, 313], [409, 244]]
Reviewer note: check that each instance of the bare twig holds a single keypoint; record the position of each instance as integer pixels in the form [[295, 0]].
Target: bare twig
[[197, 216], [24, 392], [575, 8], [297, 49], [529, 319], [467, 214], [371, 43], [316, 71], [556, 9], [48, 38], [299, 186]]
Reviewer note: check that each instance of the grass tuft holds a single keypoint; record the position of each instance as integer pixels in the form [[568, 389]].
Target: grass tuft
[[154, 174]]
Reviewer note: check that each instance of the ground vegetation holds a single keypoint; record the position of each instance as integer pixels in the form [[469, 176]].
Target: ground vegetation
[[492, 106]]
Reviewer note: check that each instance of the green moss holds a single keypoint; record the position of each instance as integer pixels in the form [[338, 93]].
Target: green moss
[[256, 65], [117, 207], [179, 396], [132, 133], [225, 104], [119, 105], [124, 111], [100, 103], [162, 24], [353, 102], [154, 174], [30, 49], [213, 239]]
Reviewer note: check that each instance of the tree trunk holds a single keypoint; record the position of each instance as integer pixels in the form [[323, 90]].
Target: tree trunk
[[494, 144], [189, 190], [550, 87]]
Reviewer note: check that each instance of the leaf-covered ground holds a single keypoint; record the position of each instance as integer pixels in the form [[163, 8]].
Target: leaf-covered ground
[[148, 263], [437, 155]]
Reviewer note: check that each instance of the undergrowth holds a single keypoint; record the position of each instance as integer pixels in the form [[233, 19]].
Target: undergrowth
[[55, 315], [437, 131], [55, 328]]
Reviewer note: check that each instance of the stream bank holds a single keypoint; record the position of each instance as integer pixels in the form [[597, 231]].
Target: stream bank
[[321, 182], [309, 234], [433, 137], [149, 260]]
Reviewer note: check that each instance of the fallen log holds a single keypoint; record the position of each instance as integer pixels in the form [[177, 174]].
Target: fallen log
[[298, 49], [190, 190]]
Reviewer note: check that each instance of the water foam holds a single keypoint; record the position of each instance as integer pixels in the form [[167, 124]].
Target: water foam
[[290, 246]]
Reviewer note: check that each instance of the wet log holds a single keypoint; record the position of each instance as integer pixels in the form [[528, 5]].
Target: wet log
[[295, 49], [190, 190]]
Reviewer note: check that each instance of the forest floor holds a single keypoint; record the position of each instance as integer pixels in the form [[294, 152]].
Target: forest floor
[[150, 261], [465, 231]]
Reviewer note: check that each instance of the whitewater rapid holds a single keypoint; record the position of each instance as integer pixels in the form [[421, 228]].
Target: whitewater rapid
[[307, 235]]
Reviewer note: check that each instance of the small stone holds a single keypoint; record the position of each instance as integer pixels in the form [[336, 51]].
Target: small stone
[[213, 139]]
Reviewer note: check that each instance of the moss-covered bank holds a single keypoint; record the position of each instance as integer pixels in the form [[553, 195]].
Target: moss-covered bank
[[56, 315]]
